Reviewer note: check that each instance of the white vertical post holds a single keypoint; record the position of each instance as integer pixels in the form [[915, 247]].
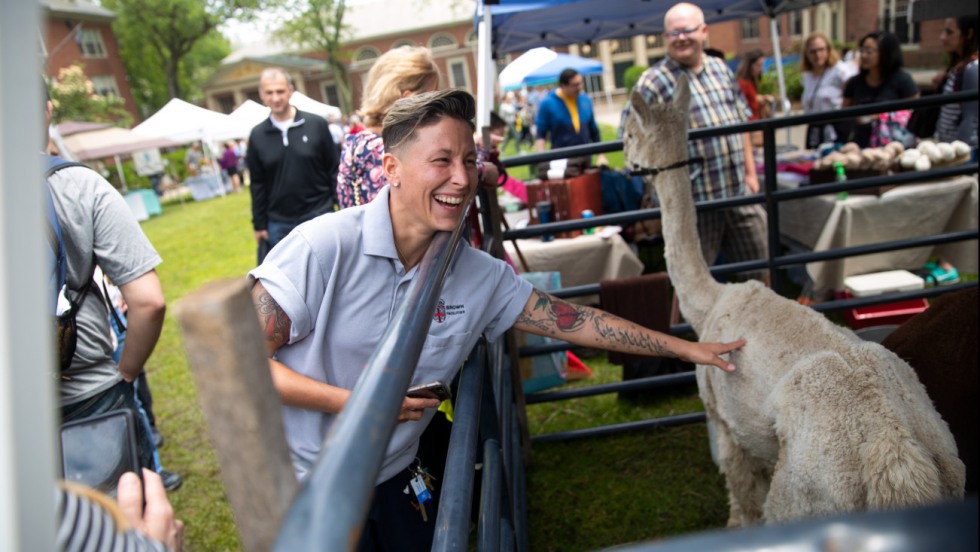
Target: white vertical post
[[778, 56], [486, 71], [27, 406]]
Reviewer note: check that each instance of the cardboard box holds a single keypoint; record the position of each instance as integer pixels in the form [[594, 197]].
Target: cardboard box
[[568, 196], [824, 176]]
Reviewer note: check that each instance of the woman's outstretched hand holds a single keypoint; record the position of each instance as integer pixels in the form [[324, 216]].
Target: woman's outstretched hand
[[710, 354]]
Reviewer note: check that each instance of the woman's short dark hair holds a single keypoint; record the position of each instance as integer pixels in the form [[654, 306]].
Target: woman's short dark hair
[[409, 114], [889, 52], [566, 76]]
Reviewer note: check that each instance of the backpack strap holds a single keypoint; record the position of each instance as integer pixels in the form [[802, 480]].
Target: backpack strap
[[54, 164]]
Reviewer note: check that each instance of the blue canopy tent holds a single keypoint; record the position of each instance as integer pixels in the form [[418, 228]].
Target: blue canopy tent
[[506, 26], [549, 72]]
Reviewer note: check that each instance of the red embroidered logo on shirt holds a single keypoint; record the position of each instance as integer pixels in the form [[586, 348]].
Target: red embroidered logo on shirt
[[440, 315]]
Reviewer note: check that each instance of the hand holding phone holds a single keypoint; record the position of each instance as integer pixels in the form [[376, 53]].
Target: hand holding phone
[[432, 390]]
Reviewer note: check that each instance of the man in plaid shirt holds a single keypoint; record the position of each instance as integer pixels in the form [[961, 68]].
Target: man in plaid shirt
[[728, 169]]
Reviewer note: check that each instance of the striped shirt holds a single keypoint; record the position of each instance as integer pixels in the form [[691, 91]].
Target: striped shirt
[[84, 526], [715, 101], [953, 123]]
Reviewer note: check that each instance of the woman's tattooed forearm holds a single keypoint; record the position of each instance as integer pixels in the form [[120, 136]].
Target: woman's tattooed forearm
[[556, 317]]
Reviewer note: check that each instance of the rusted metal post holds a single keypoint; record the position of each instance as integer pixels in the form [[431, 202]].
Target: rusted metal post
[[226, 353]]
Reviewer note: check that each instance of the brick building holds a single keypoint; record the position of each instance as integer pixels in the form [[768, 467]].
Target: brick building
[[447, 28], [80, 31]]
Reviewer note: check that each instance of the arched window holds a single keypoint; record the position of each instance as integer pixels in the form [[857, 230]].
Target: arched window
[[404, 42], [442, 41], [367, 53], [471, 38]]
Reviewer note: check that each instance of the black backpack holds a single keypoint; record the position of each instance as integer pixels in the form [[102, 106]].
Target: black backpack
[[64, 303]]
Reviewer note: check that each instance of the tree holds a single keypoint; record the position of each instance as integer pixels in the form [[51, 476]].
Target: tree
[[319, 25], [74, 99], [176, 40]]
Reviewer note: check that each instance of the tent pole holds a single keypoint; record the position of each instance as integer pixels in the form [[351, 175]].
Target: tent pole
[[122, 177], [778, 56], [485, 70]]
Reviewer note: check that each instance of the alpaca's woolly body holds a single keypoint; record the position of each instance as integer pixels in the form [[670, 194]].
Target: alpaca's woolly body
[[814, 421]]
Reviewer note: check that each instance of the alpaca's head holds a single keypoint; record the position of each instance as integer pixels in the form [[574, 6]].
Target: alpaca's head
[[656, 135]]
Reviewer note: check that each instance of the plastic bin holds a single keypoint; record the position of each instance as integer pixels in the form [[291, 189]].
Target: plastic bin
[[867, 285]]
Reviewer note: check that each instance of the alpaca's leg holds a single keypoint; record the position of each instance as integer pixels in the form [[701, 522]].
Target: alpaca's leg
[[746, 477]]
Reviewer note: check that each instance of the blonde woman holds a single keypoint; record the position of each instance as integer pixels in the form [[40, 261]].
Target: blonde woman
[[824, 76], [397, 74]]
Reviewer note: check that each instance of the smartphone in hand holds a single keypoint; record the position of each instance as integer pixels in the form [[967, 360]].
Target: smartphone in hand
[[432, 390]]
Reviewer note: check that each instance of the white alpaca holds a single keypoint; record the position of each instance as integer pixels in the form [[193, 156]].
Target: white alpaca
[[815, 421]]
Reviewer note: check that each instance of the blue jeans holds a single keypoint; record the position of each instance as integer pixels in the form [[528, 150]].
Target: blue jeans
[[121, 395], [279, 229]]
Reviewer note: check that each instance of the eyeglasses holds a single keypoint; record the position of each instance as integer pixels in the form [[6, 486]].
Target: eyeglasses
[[687, 32], [868, 50]]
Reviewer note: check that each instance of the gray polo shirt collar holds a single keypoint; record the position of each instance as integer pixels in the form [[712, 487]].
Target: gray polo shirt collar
[[376, 233]]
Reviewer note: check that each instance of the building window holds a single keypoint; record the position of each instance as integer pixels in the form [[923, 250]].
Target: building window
[[105, 85], [655, 41], [471, 38], [459, 75], [795, 23], [367, 53], [898, 19], [589, 50], [442, 41], [401, 43], [91, 43], [331, 94], [253, 95], [621, 46], [750, 28], [226, 103]]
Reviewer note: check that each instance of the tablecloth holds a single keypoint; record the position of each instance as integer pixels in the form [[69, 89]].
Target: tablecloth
[[825, 222], [582, 260]]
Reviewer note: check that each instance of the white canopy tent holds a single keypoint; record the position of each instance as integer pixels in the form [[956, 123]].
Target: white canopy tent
[[181, 122], [305, 103]]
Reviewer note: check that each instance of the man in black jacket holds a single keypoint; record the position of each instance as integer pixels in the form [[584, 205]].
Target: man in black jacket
[[292, 160]]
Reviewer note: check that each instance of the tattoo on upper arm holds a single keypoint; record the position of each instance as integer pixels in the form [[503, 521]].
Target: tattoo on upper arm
[[274, 322]]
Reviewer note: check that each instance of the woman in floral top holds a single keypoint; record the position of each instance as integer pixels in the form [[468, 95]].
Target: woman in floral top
[[398, 73]]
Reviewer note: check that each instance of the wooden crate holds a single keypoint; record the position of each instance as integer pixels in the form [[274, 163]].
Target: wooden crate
[[568, 197]]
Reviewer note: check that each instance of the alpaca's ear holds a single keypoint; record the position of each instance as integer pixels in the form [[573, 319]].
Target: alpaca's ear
[[682, 94], [640, 107]]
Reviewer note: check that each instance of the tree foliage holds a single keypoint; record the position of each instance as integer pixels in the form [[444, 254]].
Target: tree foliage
[[170, 47], [74, 99], [319, 25]]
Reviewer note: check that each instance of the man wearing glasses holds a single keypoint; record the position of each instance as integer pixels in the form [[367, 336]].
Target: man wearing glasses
[[728, 169]]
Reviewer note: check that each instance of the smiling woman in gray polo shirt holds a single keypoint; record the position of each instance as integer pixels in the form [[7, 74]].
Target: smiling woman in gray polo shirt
[[327, 292]]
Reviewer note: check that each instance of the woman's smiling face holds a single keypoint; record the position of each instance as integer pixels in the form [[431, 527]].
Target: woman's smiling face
[[435, 175]]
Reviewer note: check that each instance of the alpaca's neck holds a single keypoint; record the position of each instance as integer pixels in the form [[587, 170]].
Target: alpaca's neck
[[686, 266]]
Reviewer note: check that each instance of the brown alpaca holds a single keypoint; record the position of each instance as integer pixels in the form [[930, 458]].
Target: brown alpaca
[[815, 421]]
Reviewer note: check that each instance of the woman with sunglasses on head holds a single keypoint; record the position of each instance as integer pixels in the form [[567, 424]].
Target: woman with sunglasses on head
[[958, 121], [881, 79], [824, 76]]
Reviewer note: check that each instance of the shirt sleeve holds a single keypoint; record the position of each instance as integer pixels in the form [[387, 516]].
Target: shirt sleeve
[[85, 526], [292, 275], [258, 185]]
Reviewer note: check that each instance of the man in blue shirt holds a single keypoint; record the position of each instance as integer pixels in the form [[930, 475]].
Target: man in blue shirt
[[565, 116]]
